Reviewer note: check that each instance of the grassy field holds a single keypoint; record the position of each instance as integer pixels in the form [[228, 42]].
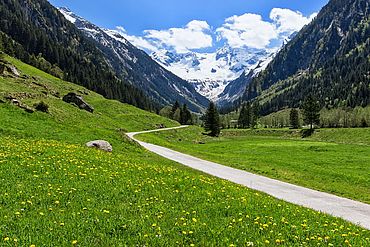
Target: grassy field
[[65, 121], [335, 161], [56, 192]]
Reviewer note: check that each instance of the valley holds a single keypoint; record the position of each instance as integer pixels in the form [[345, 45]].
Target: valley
[[193, 123], [72, 195]]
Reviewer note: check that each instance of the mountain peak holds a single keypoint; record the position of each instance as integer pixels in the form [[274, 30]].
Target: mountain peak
[[68, 14]]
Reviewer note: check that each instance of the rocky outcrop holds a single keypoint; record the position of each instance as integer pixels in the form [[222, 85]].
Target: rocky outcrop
[[100, 144], [7, 69], [18, 103], [78, 101]]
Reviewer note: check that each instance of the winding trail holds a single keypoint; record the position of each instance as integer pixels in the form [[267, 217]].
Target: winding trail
[[353, 211]]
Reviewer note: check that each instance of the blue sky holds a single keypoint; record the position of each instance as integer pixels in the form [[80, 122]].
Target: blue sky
[[162, 22]]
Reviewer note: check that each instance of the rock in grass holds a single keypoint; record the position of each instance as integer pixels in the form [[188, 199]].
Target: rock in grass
[[78, 100], [100, 144], [8, 69]]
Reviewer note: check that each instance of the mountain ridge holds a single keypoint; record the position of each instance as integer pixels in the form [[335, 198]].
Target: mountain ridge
[[137, 67], [35, 32], [328, 58], [210, 73]]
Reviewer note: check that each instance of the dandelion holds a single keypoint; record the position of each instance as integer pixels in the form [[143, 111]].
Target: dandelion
[[74, 242], [32, 245], [6, 239], [106, 211]]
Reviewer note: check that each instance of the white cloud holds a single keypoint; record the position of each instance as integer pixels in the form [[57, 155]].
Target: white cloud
[[137, 41], [288, 21], [251, 30], [195, 35], [247, 30]]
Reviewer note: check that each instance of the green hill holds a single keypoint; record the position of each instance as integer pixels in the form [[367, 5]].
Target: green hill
[[56, 192], [65, 121]]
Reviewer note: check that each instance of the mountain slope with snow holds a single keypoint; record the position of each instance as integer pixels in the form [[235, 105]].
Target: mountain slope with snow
[[211, 73], [138, 68]]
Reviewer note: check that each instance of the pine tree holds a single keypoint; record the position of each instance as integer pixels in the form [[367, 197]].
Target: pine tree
[[212, 120], [311, 111], [245, 116], [294, 119], [185, 115], [254, 114], [174, 108], [242, 117]]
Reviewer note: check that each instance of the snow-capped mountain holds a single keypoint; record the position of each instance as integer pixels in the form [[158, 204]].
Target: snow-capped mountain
[[137, 67], [235, 89], [211, 73]]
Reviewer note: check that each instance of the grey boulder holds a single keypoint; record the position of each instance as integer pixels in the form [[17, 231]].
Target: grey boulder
[[100, 144], [78, 100]]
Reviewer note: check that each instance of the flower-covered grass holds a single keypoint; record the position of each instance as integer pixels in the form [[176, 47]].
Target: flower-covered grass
[[57, 194], [326, 161]]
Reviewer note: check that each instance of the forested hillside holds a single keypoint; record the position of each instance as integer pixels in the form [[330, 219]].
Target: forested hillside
[[329, 58], [35, 32]]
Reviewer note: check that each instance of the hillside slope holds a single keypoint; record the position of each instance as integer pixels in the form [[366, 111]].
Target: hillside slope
[[36, 33], [110, 120], [330, 58]]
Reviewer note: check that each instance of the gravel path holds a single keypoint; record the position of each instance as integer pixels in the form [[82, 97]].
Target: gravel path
[[353, 211]]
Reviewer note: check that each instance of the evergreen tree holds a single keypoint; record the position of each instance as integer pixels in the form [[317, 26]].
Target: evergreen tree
[[245, 116], [185, 115], [294, 119], [254, 114], [311, 111], [242, 117], [174, 108], [212, 120]]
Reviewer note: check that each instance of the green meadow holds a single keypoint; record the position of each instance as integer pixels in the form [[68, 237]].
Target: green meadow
[[54, 191], [332, 160]]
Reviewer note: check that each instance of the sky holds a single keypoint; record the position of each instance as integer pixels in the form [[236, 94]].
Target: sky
[[198, 25]]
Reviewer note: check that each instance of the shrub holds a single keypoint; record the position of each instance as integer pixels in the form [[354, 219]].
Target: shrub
[[42, 106]]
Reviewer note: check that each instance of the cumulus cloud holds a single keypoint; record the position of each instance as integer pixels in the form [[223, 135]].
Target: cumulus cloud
[[195, 35], [287, 20], [247, 30], [251, 30]]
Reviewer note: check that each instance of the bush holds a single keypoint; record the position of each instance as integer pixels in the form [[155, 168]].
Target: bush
[[42, 106], [307, 132]]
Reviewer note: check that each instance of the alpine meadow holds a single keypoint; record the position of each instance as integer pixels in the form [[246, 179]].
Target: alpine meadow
[[184, 123]]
